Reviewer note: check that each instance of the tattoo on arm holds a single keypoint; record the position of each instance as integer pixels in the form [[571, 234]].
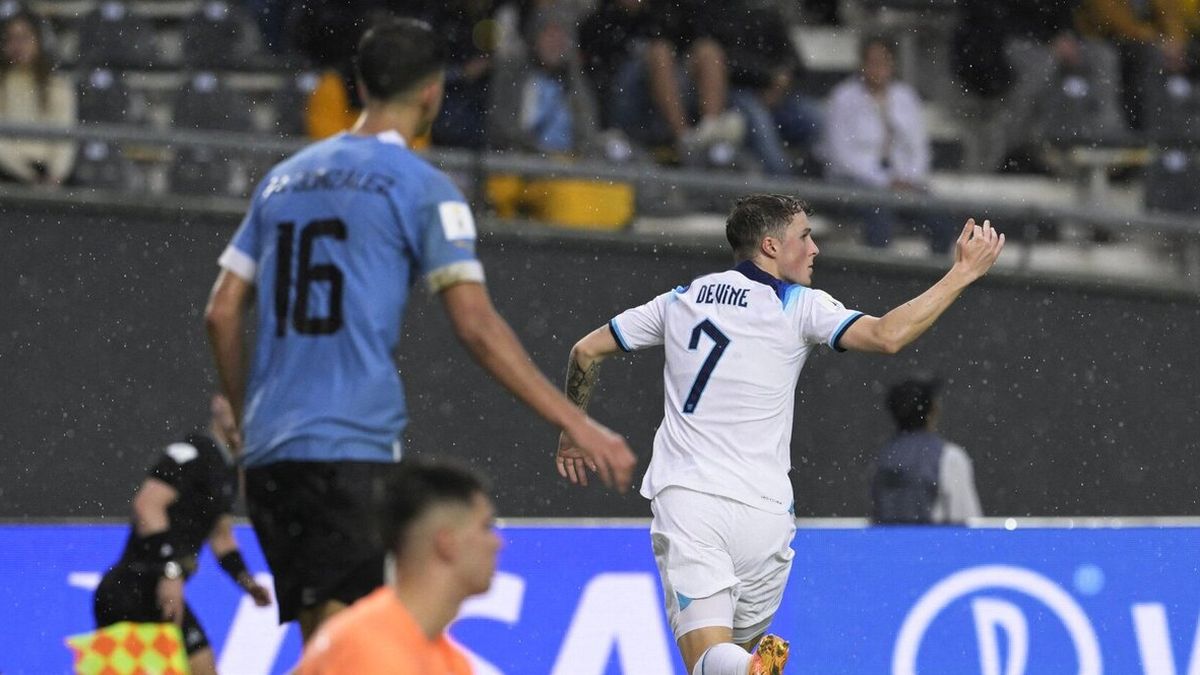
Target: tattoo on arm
[[580, 382]]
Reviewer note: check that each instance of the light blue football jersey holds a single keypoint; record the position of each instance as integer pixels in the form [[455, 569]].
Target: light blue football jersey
[[334, 238]]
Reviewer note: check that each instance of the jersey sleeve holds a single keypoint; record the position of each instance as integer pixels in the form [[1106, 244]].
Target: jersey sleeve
[[176, 464], [643, 326], [824, 319], [244, 251], [447, 232]]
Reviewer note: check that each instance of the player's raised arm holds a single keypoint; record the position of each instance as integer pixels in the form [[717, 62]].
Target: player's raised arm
[[492, 342], [975, 252]]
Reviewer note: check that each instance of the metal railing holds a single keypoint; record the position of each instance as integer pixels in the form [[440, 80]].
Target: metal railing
[[823, 195]]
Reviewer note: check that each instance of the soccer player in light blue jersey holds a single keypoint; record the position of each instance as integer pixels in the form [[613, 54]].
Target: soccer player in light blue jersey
[[735, 344], [333, 240]]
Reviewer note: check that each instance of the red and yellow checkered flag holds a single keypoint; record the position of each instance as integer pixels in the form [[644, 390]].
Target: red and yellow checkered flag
[[129, 648]]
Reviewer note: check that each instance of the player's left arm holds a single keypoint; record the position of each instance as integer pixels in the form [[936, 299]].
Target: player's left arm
[[224, 318], [975, 253], [152, 525], [225, 549], [489, 338], [583, 370]]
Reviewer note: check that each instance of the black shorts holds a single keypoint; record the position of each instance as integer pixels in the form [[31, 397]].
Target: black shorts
[[125, 594], [314, 522]]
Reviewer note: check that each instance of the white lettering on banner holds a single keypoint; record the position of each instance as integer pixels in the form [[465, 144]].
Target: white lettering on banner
[[991, 616], [502, 602], [968, 581], [621, 612], [88, 581], [1154, 643], [255, 636]]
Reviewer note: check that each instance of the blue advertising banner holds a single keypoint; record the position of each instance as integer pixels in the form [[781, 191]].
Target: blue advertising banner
[[573, 600]]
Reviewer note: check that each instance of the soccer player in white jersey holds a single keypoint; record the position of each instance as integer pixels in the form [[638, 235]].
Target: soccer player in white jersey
[[735, 343]]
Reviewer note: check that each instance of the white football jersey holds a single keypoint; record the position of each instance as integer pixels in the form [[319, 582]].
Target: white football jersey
[[735, 343]]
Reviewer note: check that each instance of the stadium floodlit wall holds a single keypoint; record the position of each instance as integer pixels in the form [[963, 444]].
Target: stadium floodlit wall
[[575, 599], [1071, 399]]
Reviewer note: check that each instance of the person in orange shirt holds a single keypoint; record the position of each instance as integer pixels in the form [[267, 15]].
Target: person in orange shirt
[[440, 527]]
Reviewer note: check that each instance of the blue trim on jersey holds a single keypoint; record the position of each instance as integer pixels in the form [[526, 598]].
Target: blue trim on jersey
[[792, 294], [684, 600], [837, 334], [682, 289], [616, 333], [754, 273]]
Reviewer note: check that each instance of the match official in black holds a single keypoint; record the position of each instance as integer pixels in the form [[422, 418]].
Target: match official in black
[[185, 499]]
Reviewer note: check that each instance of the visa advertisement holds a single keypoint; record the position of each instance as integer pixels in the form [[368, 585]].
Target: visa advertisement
[[586, 600]]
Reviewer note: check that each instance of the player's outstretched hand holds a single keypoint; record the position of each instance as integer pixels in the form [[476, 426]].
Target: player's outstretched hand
[[977, 248], [594, 446], [571, 462]]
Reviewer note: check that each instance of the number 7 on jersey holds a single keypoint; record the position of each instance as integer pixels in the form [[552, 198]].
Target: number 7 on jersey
[[720, 342]]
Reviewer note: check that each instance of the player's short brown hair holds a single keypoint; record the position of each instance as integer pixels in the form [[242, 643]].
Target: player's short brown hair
[[756, 216]]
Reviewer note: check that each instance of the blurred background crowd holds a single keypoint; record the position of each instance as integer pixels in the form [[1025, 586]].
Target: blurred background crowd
[[1088, 103]]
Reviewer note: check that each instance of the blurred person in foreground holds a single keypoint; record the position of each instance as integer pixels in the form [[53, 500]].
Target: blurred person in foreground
[[921, 477], [333, 240], [736, 342], [186, 498], [32, 91], [439, 525]]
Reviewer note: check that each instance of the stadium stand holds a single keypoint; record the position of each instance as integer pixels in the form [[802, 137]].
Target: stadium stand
[[170, 38]]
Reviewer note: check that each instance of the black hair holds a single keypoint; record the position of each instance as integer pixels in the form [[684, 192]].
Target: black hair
[[756, 216], [911, 402], [43, 64], [882, 39], [396, 54], [412, 488]]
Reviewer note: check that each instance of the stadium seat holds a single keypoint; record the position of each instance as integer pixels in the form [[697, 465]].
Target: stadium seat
[[1171, 181], [104, 99], [205, 103], [1069, 111], [102, 165], [290, 103], [219, 36], [1173, 111], [203, 171], [112, 36]]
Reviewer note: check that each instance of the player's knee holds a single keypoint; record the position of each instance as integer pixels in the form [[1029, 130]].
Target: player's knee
[[725, 658]]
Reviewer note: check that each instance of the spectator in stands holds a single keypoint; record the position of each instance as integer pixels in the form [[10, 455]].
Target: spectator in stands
[[33, 92], [439, 526], [875, 136], [333, 106], [646, 57], [782, 122], [544, 104], [1039, 46], [471, 35], [921, 477], [1151, 37]]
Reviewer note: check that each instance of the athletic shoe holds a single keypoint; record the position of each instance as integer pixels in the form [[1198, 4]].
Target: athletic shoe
[[770, 657]]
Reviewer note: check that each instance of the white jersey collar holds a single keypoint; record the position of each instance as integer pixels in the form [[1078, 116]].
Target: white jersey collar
[[392, 136]]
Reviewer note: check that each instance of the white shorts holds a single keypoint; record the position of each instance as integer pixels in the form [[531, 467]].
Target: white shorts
[[705, 544]]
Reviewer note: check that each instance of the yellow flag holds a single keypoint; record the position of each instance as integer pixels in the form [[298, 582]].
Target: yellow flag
[[129, 648]]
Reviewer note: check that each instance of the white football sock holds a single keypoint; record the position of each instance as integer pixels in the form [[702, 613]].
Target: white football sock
[[723, 659]]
